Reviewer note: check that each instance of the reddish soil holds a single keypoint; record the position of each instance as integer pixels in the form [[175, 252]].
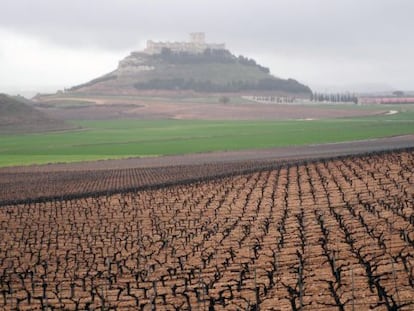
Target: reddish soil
[[119, 108], [324, 235], [253, 111]]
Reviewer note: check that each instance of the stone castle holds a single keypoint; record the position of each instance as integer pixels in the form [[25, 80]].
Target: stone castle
[[136, 62], [196, 45]]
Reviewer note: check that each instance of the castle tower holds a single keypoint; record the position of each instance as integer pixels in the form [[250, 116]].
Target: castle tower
[[197, 37]]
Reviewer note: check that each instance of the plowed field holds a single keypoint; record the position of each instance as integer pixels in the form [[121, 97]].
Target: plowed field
[[324, 235]]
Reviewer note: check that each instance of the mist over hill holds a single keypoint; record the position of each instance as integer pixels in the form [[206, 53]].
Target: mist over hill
[[210, 71]]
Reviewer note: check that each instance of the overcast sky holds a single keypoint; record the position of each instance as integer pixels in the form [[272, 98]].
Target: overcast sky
[[52, 44]]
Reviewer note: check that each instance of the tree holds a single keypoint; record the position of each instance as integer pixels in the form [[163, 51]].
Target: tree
[[398, 93], [224, 99]]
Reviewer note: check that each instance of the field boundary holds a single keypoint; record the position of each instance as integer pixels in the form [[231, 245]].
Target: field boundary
[[234, 170]]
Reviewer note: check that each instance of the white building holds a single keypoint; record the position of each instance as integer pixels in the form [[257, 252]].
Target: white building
[[196, 44]]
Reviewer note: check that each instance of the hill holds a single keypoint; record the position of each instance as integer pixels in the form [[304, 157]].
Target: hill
[[210, 71], [17, 116]]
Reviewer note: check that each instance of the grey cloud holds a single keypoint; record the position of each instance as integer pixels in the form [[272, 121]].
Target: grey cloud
[[366, 30], [119, 24]]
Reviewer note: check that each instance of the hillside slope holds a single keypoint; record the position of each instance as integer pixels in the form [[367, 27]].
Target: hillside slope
[[18, 117], [213, 71]]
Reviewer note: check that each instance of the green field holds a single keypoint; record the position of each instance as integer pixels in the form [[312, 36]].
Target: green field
[[133, 138]]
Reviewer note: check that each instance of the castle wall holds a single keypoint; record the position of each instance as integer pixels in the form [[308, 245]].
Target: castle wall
[[195, 45]]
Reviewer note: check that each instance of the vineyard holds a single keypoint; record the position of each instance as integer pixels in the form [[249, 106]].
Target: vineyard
[[332, 234], [43, 186]]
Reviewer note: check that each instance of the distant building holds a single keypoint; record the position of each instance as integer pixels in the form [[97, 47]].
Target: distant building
[[271, 99], [386, 100], [136, 62], [196, 45]]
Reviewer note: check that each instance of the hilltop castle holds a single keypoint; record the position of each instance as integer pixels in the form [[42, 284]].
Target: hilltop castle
[[196, 45], [136, 61]]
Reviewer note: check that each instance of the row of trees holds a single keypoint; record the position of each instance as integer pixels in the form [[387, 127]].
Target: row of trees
[[334, 97], [251, 62], [207, 56], [268, 84], [184, 57]]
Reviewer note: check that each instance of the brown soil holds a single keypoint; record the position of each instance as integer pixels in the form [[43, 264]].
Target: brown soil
[[326, 235], [119, 108]]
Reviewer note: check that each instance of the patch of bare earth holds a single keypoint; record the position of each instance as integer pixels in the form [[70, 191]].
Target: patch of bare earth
[[122, 108], [324, 235]]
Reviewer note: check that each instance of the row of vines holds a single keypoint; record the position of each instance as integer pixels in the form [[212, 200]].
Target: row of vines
[[326, 235]]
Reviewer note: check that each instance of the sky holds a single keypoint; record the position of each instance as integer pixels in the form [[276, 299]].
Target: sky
[[353, 45]]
